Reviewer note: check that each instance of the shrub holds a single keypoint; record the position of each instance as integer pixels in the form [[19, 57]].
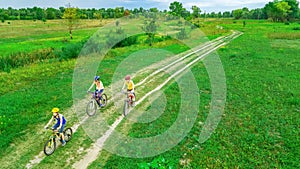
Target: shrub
[[296, 28], [70, 51], [21, 59], [127, 41], [182, 34]]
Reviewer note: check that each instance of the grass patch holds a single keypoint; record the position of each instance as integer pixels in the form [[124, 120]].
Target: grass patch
[[289, 36]]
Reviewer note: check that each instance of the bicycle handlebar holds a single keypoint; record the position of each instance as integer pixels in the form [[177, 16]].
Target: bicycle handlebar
[[53, 130], [90, 92]]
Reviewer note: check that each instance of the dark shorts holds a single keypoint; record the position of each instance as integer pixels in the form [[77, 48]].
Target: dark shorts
[[98, 93], [61, 129]]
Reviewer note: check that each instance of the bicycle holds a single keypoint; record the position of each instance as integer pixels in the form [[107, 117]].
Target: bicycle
[[128, 102], [50, 145], [91, 107]]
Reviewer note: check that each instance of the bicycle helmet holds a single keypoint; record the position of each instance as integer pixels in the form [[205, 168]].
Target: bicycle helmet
[[127, 77], [97, 78], [55, 110]]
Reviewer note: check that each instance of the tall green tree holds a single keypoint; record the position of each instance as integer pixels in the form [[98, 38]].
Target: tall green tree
[[50, 13], [277, 10], [283, 9], [98, 15], [70, 14], [226, 14], [237, 14], [245, 13], [176, 8], [257, 13], [294, 10], [150, 29], [196, 12]]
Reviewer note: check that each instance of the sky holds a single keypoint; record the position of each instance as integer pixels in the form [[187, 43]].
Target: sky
[[205, 5]]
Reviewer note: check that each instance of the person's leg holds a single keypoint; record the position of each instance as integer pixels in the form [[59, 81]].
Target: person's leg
[[61, 130], [97, 97], [100, 93], [100, 97], [133, 96], [129, 94], [55, 126]]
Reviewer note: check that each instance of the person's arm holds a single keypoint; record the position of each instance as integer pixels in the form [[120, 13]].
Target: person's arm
[[61, 121], [91, 86], [123, 85], [50, 121]]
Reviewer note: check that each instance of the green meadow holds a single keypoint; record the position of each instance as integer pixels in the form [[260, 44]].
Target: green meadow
[[259, 127]]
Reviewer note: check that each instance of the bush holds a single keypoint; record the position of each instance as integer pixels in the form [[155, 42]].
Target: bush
[[127, 41], [167, 37], [21, 59], [112, 40], [287, 23], [182, 34], [71, 51], [296, 28]]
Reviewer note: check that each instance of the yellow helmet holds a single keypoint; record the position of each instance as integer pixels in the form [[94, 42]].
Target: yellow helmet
[[55, 110]]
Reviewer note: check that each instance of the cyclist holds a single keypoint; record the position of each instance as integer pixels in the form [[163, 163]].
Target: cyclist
[[130, 86], [99, 88], [60, 124]]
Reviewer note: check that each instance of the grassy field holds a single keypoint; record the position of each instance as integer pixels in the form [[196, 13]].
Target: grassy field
[[30, 92], [260, 127], [27, 36]]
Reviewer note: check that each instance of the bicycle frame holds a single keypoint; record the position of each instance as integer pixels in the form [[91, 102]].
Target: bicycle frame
[[129, 97], [95, 97], [54, 135]]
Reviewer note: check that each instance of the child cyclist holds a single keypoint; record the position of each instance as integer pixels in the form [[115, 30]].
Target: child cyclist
[[99, 88], [130, 86], [60, 124]]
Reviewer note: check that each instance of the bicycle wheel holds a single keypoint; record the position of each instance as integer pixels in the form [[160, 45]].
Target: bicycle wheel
[[91, 108], [49, 147], [68, 134], [103, 100], [125, 108]]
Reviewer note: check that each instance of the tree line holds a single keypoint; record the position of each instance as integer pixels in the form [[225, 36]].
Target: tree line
[[277, 10]]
